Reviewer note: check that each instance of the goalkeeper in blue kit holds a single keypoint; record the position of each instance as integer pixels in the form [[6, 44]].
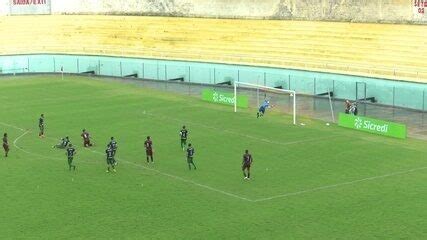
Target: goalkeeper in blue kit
[[262, 108]]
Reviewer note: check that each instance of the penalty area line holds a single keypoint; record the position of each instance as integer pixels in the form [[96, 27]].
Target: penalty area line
[[339, 184], [12, 126], [17, 139], [131, 163], [285, 195], [15, 144], [181, 179]]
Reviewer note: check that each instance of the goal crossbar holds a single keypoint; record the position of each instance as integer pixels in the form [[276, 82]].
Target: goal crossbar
[[292, 93]]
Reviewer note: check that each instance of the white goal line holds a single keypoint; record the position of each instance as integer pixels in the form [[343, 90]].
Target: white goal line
[[291, 92]]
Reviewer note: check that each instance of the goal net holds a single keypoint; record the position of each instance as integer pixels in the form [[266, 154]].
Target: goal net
[[278, 98]]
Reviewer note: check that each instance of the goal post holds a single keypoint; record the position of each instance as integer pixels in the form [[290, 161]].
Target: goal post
[[269, 89]]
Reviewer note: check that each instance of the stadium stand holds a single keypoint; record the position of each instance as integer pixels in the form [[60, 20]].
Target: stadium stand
[[377, 50]]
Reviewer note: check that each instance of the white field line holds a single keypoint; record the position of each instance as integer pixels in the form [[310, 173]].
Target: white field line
[[12, 126], [134, 164], [17, 139], [15, 144], [241, 134], [285, 195], [340, 184], [181, 179]]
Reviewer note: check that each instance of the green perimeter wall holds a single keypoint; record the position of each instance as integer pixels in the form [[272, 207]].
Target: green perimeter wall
[[388, 92]]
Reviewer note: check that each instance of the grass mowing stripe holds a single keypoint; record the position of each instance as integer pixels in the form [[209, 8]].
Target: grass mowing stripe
[[221, 191], [157, 116], [131, 163], [339, 198], [340, 184], [15, 144], [180, 179]]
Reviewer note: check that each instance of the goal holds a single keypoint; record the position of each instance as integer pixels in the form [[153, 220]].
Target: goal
[[258, 88]]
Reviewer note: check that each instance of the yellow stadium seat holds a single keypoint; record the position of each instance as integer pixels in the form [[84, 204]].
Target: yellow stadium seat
[[377, 50]]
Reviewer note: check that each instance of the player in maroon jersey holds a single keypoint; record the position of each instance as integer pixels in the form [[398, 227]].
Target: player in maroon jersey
[[148, 144], [5, 144], [246, 164], [41, 126], [86, 138]]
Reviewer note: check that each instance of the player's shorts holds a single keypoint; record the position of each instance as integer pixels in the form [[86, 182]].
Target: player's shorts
[[70, 160], [41, 127], [86, 142], [149, 152], [246, 166], [6, 147], [189, 159], [183, 140], [261, 110], [110, 161]]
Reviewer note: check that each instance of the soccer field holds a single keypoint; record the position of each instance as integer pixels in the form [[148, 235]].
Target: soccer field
[[308, 182]]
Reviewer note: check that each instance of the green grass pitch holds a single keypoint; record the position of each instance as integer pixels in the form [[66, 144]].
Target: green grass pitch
[[308, 182]]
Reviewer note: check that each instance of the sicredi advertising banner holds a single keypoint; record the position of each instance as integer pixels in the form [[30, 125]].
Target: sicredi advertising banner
[[30, 7], [224, 98], [372, 125]]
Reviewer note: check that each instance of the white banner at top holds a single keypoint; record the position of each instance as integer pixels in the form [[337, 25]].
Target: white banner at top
[[30, 7]]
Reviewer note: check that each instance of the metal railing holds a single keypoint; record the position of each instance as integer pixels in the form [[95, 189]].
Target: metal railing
[[401, 73]]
